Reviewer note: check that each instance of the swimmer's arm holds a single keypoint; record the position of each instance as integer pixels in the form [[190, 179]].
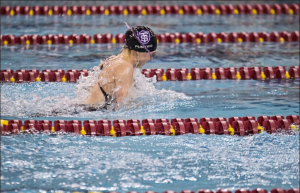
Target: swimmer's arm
[[123, 82]]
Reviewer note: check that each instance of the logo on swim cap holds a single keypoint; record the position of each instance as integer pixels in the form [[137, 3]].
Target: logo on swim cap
[[144, 36]]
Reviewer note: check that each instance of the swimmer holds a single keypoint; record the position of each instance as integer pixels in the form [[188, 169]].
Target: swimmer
[[116, 72]]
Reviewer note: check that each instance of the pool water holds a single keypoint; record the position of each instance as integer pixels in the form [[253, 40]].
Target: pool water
[[31, 163], [44, 162], [114, 24], [200, 98]]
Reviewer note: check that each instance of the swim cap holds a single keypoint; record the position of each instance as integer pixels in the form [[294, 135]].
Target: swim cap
[[145, 36]]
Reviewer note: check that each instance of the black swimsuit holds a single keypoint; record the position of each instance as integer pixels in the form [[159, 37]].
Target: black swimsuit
[[109, 100]]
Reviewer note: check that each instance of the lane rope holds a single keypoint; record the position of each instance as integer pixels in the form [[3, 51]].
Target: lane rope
[[170, 74], [239, 9], [242, 126], [195, 38]]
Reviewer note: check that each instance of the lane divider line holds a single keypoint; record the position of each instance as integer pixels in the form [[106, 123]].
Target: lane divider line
[[176, 38], [223, 9], [170, 74], [241, 126]]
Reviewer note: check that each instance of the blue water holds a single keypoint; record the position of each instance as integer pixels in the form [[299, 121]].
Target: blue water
[[168, 55], [213, 98], [76, 163], [203, 98], [41, 162], [114, 24]]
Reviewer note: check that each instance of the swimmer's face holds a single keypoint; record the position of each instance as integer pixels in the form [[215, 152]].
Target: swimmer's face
[[144, 57]]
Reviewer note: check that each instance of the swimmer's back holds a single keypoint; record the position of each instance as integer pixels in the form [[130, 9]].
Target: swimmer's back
[[115, 79], [113, 72]]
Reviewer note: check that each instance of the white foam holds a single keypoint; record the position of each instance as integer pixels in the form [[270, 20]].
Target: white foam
[[144, 89], [83, 83], [33, 100]]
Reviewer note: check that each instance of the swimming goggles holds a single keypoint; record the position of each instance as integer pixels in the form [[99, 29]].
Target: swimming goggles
[[152, 54]]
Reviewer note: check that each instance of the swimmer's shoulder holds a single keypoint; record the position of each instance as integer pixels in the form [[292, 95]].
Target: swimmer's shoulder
[[121, 65], [107, 61], [117, 66]]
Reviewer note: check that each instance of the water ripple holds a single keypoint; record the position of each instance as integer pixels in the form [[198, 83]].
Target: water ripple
[[149, 162]]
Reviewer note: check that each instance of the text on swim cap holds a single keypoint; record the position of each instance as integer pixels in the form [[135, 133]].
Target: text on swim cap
[[140, 46]]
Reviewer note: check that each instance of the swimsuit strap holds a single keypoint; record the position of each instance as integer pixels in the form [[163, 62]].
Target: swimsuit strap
[[101, 67], [106, 96]]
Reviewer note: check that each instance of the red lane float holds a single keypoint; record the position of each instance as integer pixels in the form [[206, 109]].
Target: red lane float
[[195, 38], [171, 74], [241, 126], [257, 190], [47, 39], [47, 75], [245, 73], [153, 9]]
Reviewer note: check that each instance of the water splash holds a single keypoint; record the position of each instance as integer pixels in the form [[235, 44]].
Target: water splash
[[144, 89], [60, 99], [84, 83]]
